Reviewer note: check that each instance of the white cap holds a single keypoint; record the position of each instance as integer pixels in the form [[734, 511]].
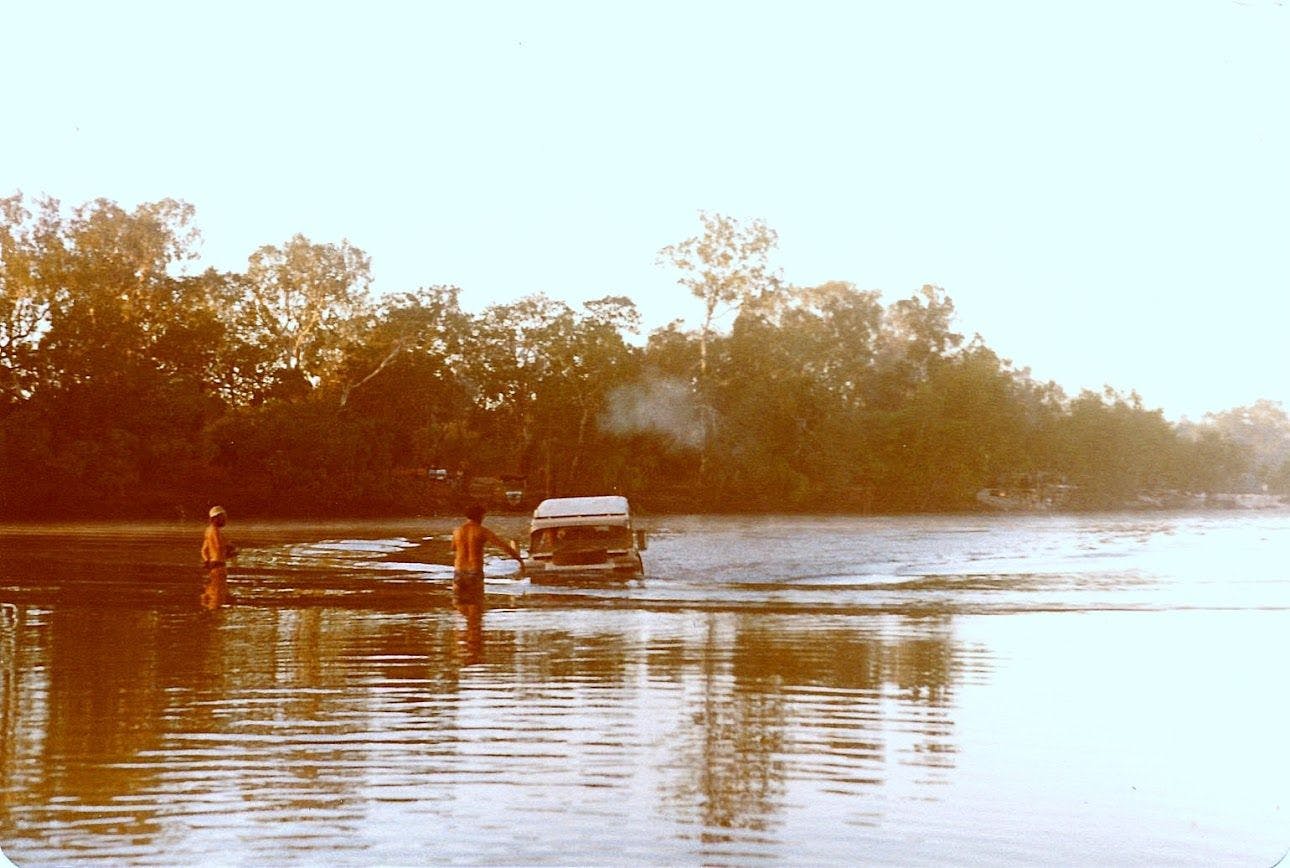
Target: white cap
[[217, 510]]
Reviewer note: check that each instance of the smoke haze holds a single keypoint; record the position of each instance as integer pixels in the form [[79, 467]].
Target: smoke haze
[[655, 406]]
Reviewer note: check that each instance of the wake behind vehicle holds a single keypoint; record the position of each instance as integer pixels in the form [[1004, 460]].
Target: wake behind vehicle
[[571, 536]]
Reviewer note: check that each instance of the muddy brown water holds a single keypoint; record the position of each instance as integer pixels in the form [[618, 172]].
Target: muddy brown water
[[982, 689]]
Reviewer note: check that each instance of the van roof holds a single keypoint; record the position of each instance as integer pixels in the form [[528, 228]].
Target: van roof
[[574, 507]]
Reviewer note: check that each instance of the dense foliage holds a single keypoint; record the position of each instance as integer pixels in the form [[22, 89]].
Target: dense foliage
[[130, 388]]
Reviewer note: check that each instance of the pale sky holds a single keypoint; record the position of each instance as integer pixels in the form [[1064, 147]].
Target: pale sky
[[1103, 188]]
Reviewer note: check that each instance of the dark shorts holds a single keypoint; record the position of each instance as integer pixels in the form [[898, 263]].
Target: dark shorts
[[468, 587]]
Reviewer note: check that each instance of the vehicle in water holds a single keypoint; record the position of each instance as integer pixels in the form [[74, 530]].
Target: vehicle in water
[[572, 536]]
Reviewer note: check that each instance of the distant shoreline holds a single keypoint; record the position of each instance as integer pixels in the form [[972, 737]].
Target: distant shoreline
[[643, 509]]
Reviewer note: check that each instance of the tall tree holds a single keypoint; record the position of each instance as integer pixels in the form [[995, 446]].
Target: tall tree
[[915, 335], [1263, 429], [24, 301], [304, 301], [1115, 448], [598, 360], [835, 330], [725, 266], [543, 370], [961, 426], [106, 273], [427, 323], [405, 372], [115, 345]]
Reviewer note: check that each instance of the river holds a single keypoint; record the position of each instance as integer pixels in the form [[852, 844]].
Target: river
[[913, 690]]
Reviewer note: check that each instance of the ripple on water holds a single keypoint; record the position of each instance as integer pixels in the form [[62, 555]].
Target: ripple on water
[[1048, 689]]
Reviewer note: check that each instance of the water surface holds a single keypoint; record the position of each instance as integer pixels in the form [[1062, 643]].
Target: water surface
[[994, 689]]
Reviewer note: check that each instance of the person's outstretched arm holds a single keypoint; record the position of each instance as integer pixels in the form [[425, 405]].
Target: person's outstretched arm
[[506, 547]]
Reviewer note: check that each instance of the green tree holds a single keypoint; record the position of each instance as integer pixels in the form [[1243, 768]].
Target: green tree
[[544, 371], [113, 301], [1112, 448], [724, 267], [836, 328], [24, 301], [114, 348], [769, 414], [786, 387], [304, 302], [1262, 429], [914, 336], [302, 458], [1209, 461], [427, 324], [963, 425], [405, 370]]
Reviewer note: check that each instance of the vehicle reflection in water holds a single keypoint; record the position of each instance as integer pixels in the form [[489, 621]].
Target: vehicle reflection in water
[[349, 707]]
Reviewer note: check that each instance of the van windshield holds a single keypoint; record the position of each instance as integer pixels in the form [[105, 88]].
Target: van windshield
[[580, 537]]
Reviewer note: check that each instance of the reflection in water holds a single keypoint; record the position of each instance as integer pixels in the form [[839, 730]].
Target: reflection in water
[[215, 593], [780, 704], [731, 767], [340, 713], [468, 598], [127, 728]]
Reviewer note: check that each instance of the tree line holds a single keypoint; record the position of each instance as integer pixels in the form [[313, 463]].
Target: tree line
[[129, 387]]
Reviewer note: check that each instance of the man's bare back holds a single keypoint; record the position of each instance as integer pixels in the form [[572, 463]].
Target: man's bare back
[[468, 543]]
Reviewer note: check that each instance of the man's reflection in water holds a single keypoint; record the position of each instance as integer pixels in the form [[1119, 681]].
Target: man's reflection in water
[[468, 598]]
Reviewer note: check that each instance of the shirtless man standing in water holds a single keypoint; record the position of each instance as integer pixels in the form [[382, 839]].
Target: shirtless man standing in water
[[216, 551], [468, 542], [468, 546]]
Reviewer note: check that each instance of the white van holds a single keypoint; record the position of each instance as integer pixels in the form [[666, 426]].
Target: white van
[[584, 535]]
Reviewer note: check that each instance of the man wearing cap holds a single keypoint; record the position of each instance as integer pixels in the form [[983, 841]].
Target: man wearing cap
[[216, 551]]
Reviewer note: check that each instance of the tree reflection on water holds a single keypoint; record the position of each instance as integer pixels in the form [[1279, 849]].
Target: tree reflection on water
[[126, 730], [777, 701]]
